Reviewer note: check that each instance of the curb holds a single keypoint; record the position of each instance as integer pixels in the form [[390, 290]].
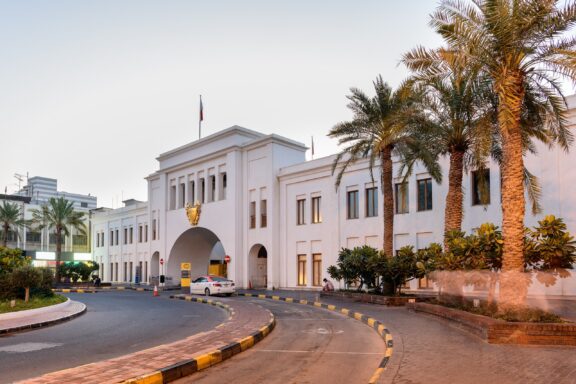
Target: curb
[[378, 326], [44, 323], [65, 290], [188, 367]]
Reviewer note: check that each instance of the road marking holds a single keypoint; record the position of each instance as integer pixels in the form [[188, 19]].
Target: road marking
[[28, 347], [323, 352], [323, 331], [191, 316]]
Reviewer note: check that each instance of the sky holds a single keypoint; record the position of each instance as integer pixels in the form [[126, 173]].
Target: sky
[[91, 92]]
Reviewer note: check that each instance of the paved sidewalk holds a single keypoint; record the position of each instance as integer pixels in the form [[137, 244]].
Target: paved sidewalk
[[430, 350], [246, 318], [35, 318]]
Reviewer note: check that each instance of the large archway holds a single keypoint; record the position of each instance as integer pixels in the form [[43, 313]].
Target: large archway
[[258, 266], [198, 246]]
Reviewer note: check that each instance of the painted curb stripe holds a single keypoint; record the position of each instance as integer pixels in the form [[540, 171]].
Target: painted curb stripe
[[371, 322], [188, 367]]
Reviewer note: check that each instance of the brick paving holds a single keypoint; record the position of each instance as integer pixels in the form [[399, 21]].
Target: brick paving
[[430, 350], [18, 321], [245, 318]]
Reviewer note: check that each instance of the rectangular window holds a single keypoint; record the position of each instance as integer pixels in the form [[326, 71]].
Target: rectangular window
[[182, 199], [131, 234], [263, 214], [154, 229], [97, 239], [481, 187], [111, 271], [371, 202], [316, 214], [130, 269], [146, 233], [140, 233], [300, 212], [202, 191], [111, 237], [317, 269], [125, 235], [125, 271], [84, 205], [173, 197], [212, 194], [252, 214], [425, 195], [117, 237], [223, 185], [301, 269], [192, 193], [145, 276], [352, 205], [116, 272], [401, 194]]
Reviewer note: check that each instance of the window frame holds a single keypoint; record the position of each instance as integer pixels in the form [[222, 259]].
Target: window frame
[[428, 196], [352, 210]]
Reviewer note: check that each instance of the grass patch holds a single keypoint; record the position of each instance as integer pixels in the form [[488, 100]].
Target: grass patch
[[34, 302], [521, 314]]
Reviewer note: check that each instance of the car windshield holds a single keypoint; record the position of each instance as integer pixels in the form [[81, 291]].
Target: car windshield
[[218, 278]]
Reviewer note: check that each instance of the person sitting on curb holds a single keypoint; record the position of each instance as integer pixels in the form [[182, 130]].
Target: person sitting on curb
[[328, 286]]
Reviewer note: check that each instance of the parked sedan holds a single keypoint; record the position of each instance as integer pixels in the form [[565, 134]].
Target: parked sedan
[[212, 285]]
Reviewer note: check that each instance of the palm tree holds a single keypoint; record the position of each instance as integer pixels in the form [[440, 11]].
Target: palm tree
[[520, 45], [456, 112], [59, 215], [380, 127], [11, 218]]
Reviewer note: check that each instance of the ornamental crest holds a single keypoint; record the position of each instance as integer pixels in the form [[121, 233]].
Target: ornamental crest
[[193, 213]]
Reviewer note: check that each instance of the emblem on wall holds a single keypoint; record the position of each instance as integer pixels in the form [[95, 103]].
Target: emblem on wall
[[193, 213]]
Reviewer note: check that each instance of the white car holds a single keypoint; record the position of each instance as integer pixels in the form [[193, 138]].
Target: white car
[[212, 285]]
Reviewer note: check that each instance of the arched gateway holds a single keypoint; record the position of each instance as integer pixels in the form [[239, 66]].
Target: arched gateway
[[258, 264], [198, 246]]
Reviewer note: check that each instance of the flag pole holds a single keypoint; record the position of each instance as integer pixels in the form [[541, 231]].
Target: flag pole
[[201, 117]]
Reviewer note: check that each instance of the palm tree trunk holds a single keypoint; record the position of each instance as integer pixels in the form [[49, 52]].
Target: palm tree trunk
[[5, 240], [58, 253], [386, 181], [513, 287], [453, 210]]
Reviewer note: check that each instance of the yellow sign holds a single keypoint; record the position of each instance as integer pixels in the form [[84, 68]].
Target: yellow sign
[[185, 274], [193, 213]]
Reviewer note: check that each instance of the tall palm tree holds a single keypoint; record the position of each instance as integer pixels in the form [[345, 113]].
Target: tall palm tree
[[380, 127], [59, 215], [457, 113], [520, 45], [11, 218]]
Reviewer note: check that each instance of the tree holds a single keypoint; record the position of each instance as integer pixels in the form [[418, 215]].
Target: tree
[[77, 271], [11, 219], [26, 277], [11, 259], [521, 46], [456, 118], [356, 264], [380, 126], [59, 215]]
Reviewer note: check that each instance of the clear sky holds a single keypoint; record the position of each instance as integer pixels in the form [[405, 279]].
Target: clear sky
[[91, 92]]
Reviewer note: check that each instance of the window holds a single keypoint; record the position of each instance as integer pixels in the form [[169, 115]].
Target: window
[[173, 197], [125, 271], [481, 187], [192, 193], [97, 239], [212, 194], [146, 233], [263, 214], [111, 237], [84, 205], [117, 237], [401, 193], [425, 194], [352, 205], [111, 271], [202, 191], [130, 269], [223, 185], [125, 235], [252, 214], [371, 202], [140, 233], [300, 212], [182, 195], [316, 215], [154, 229], [131, 234], [116, 272], [317, 269], [301, 269]]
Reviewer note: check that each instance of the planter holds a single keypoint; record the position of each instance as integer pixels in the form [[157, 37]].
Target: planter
[[496, 331], [391, 301]]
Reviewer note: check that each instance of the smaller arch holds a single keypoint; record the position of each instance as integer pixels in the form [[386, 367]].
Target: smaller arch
[[155, 267], [258, 266]]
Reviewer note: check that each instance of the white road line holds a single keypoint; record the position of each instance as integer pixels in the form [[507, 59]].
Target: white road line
[[325, 352], [28, 347]]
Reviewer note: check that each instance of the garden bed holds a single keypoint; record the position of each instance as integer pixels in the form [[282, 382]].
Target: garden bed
[[33, 303], [496, 331], [362, 297]]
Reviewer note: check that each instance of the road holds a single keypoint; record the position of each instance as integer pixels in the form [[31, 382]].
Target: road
[[116, 323], [308, 345]]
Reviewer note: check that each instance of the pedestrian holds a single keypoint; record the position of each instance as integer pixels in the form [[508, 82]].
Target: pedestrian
[[328, 286]]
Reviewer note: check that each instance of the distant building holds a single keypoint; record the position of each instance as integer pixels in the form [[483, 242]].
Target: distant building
[[41, 245]]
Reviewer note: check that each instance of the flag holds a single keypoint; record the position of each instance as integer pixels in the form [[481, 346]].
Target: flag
[[312, 146], [201, 110]]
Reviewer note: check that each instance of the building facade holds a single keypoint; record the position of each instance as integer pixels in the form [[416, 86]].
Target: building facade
[[280, 218]]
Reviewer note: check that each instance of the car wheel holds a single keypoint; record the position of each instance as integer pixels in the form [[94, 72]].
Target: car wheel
[[207, 292], [228, 294]]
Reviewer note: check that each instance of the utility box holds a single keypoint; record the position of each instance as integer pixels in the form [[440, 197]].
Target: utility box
[[185, 274]]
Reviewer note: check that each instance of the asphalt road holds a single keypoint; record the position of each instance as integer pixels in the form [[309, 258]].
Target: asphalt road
[[308, 345], [116, 323]]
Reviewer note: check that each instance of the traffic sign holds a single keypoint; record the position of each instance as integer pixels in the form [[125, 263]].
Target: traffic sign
[[161, 261], [227, 259]]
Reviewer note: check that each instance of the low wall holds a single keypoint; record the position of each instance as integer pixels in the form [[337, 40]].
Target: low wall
[[391, 301], [496, 331]]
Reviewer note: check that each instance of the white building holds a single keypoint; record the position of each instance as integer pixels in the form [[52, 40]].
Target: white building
[[281, 219]]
